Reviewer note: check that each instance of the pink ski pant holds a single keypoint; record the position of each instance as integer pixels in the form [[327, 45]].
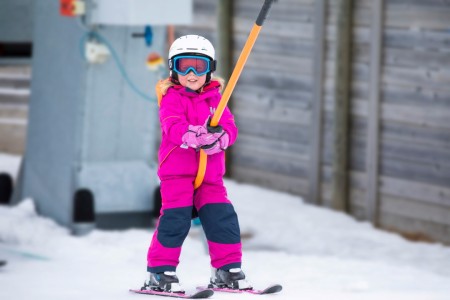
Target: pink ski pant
[[216, 214]]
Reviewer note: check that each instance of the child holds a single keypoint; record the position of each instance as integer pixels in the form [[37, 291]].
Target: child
[[190, 97]]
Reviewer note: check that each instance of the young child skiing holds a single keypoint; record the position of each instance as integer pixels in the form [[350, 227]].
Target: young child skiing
[[190, 97]]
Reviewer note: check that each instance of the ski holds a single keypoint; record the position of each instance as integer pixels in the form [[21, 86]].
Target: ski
[[268, 290], [203, 294]]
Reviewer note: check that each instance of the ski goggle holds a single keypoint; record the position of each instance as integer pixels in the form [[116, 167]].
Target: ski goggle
[[184, 64]]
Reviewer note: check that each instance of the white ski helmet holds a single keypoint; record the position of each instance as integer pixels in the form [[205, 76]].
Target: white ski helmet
[[194, 44]]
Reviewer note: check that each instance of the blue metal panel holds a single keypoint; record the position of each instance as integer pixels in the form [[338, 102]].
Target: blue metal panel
[[87, 128]]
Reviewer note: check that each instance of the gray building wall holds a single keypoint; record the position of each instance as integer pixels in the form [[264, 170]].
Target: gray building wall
[[16, 22]]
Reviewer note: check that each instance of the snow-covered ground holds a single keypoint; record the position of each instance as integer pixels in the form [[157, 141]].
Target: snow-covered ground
[[313, 252]]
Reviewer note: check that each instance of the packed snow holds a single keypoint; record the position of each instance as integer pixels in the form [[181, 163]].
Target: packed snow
[[315, 253]]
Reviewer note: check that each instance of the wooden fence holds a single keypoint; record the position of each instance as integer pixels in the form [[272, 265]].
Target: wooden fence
[[346, 103]]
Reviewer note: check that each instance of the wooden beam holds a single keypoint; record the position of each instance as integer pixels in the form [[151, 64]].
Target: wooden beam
[[224, 53], [225, 38], [316, 117], [342, 107], [373, 134]]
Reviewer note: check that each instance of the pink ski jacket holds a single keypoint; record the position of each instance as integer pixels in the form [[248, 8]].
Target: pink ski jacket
[[181, 107]]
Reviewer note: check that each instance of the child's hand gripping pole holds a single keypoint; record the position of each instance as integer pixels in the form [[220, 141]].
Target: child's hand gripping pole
[[232, 83]]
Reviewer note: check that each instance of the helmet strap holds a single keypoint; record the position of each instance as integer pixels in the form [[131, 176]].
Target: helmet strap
[[174, 77]]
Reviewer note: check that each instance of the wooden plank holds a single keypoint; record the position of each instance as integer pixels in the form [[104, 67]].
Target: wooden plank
[[271, 163], [415, 153], [288, 149], [288, 3], [417, 17], [275, 79], [294, 12], [14, 96], [415, 228], [316, 115], [277, 28], [399, 38], [276, 129], [432, 137], [402, 150], [295, 185], [425, 40], [278, 45], [276, 62], [430, 59], [372, 160], [413, 115], [414, 79], [426, 173], [409, 16], [398, 96], [432, 116], [289, 116], [262, 95], [401, 222], [416, 58], [407, 165], [14, 111], [411, 195], [428, 194], [13, 135]]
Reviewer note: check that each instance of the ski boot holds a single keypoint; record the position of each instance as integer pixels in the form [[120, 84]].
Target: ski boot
[[163, 282], [232, 279]]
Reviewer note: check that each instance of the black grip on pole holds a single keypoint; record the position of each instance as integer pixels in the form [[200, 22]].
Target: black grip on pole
[[264, 11]]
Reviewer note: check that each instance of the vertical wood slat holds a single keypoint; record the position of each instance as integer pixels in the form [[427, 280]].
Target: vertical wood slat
[[373, 134], [316, 116], [224, 57], [342, 107], [225, 11]]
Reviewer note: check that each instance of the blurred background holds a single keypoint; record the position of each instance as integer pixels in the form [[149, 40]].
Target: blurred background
[[343, 102]]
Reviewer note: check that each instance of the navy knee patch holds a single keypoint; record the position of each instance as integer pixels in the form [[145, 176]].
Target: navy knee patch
[[220, 223], [174, 226]]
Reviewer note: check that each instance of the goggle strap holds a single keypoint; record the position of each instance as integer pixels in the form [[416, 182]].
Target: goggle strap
[[212, 65]]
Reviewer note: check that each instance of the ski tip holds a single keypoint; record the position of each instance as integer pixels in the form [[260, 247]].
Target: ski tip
[[202, 294], [276, 288]]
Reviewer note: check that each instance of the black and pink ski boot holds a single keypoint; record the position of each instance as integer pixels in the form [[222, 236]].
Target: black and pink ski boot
[[163, 282], [232, 279]]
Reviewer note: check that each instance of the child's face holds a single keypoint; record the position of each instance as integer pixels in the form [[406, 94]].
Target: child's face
[[192, 81]]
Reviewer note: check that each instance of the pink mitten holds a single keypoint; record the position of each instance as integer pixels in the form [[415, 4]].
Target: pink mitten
[[192, 137], [212, 135], [218, 146]]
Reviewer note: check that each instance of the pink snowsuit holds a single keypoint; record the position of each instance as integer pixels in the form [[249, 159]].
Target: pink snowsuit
[[181, 107]]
